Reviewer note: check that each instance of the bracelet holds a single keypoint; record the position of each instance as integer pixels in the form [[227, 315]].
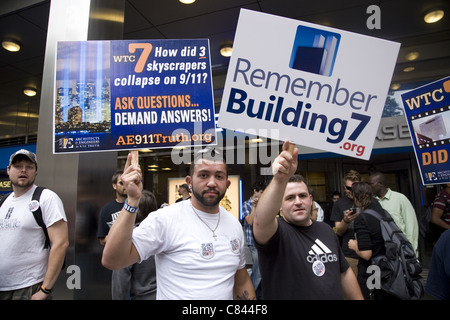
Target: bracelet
[[45, 290], [129, 208]]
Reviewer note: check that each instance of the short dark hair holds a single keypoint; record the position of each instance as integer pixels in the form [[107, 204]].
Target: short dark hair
[[378, 177], [185, 186], [208, 153], [258, 186], [336, 193], [297, 178], [116, 176]]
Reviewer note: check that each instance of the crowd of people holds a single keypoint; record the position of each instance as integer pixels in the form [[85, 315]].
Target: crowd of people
[[195, 249]]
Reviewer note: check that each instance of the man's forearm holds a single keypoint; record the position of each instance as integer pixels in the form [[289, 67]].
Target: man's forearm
[[264, 222], [55, 264], [243, 287], [341, 227], [270, 202]]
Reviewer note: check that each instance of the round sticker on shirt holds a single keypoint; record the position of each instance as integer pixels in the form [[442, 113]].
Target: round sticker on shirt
[[235, 246], [318, 268], [207, 251], [33, 205]]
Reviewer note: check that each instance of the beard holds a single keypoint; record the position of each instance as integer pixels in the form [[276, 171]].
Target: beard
[[122, 194], [23, 184], [208, 201]]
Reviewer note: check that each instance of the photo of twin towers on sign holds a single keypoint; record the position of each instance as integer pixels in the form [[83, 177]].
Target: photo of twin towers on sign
[[82, 94]]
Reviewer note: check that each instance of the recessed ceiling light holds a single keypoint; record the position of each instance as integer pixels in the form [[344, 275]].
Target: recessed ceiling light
[[11, 45], [187, 1], [412, 56], [408, 69], [226, 49], [395, 86], [31, 92], [107, 15], [434, 16]]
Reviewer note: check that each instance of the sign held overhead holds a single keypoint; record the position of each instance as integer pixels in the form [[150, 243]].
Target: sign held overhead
[[320, 87], [133, 94], [427, 110]]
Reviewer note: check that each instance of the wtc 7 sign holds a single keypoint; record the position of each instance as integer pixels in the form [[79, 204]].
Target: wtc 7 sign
[[133, 94], [317, 86]]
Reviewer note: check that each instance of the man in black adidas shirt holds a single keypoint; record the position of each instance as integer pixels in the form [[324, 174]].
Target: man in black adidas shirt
[[299, 258]]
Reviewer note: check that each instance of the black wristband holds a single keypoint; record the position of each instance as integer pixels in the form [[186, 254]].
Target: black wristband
[[45, 290]]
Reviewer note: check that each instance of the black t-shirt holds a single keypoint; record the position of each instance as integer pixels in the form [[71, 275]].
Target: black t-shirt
[[302, 263], [337, 214], [108, 214]]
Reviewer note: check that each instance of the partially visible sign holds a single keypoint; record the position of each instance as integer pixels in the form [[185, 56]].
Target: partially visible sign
[[319, 87], [427, 110], [132, 94], [5, 185]]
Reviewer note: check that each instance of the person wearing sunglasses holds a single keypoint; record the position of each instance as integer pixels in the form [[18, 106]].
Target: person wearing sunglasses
[[343, 214]]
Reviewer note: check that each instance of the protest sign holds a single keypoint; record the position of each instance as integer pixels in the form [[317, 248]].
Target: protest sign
[[427, 110], [318, 86], [132, 94]]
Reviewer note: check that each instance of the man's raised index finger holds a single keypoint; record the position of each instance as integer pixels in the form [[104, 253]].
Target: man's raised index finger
[[134, 158]]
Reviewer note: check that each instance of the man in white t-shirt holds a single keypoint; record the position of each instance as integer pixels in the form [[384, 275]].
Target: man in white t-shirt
[[27, 269], [198, 245]]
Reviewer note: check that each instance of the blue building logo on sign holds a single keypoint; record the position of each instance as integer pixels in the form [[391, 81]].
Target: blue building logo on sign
[[314, 50]]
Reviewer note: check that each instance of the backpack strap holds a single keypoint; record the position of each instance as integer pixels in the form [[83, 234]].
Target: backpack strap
[[374, 214], [38, 216], [387, 216], [37, 213]]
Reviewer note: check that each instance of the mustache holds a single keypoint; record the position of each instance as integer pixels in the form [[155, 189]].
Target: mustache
[[210, 190]]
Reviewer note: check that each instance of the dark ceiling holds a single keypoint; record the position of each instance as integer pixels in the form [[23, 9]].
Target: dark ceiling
[[401, 21]]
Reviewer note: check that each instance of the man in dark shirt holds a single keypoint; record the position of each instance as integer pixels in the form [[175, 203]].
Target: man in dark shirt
[[110, 211], [343, 218], [299, 258]]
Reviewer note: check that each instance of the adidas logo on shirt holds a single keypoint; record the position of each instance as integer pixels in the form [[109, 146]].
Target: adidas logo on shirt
[[320, 252]]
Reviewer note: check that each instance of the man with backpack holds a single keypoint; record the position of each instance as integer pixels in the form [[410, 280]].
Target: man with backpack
[[32, 245]]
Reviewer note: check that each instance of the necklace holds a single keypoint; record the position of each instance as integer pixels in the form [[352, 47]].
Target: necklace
[[212, 230]]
